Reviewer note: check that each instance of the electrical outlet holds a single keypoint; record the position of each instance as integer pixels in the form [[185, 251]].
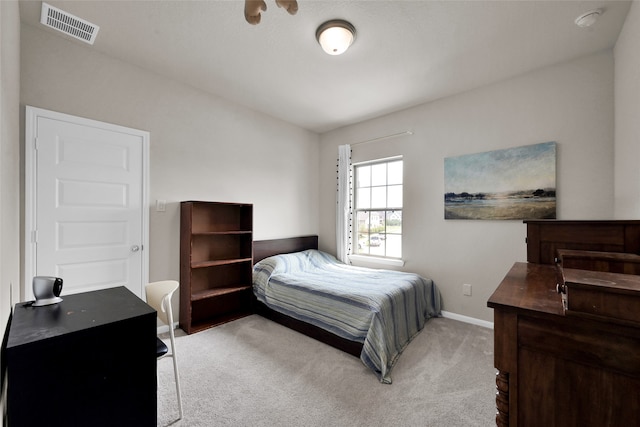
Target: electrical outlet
[[466, 289]]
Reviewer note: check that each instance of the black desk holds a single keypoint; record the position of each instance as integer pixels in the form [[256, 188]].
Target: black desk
[[89, 360]]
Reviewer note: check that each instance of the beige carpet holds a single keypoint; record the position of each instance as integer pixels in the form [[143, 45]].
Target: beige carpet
[[253, 372]]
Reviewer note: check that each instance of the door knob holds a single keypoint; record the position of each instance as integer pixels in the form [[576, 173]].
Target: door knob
[[135, 248]]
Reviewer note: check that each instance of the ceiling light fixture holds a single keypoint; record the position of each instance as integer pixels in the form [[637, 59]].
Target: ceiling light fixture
[[589, 18], [336, 36]]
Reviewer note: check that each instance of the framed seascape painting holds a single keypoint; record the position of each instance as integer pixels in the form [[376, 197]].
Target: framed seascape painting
[[514, 183]]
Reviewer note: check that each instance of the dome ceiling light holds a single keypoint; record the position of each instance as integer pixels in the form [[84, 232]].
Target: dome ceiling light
[[589, 18], [336, 36]]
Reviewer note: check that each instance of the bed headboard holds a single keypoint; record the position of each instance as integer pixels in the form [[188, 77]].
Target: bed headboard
[[266, 248]]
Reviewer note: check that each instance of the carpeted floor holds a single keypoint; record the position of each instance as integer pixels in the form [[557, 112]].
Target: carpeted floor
[[253, 372]]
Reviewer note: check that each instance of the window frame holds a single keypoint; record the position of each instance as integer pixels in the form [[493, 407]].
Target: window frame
[[384, 258]]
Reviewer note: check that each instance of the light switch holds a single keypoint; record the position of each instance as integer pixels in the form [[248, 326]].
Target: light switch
[[160, 205], [466, 289]]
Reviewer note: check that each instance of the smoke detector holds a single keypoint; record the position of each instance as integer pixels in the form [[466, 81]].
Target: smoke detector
[[64, 22], [589, 18]]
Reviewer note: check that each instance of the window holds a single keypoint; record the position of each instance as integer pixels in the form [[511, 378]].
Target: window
[[378, 208]]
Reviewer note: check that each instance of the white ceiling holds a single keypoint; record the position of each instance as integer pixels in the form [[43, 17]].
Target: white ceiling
[[406, 52]]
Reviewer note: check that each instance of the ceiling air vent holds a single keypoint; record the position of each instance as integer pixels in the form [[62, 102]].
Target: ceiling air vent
[[70, 25]]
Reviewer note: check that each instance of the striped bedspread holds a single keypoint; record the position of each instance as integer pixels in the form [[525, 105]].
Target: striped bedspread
[[382, 309]]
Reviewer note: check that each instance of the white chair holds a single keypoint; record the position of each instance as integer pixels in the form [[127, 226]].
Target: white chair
[[159, 296]]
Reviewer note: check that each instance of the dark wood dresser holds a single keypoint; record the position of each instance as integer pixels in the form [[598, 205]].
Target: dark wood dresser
[[557, 367]]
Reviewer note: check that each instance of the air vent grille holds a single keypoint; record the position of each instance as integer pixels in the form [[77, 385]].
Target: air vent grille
[[71, 25]]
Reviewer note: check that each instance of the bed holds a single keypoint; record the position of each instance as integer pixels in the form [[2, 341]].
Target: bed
[[369, 313]]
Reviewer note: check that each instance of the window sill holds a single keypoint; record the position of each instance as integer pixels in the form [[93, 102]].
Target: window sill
[[377, 260]]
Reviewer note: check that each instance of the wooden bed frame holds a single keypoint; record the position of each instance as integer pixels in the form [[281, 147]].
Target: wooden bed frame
[[266, 248]]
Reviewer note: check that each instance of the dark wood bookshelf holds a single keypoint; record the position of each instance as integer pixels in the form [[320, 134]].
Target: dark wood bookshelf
[[216, 261]]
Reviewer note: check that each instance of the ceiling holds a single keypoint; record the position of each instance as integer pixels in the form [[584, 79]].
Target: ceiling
[[406, 53]]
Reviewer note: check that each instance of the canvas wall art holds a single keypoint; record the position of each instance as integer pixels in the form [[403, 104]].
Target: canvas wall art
[[515, 183]]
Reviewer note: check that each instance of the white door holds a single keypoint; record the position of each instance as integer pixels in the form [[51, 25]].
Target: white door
[[89, 219]]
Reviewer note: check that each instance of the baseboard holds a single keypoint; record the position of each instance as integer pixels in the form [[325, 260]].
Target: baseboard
[[467, 319], [446, 314]]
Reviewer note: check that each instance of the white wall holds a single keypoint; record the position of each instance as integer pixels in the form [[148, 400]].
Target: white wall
[[627, 123], [570, 103], [202, 147], [9, 155]]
